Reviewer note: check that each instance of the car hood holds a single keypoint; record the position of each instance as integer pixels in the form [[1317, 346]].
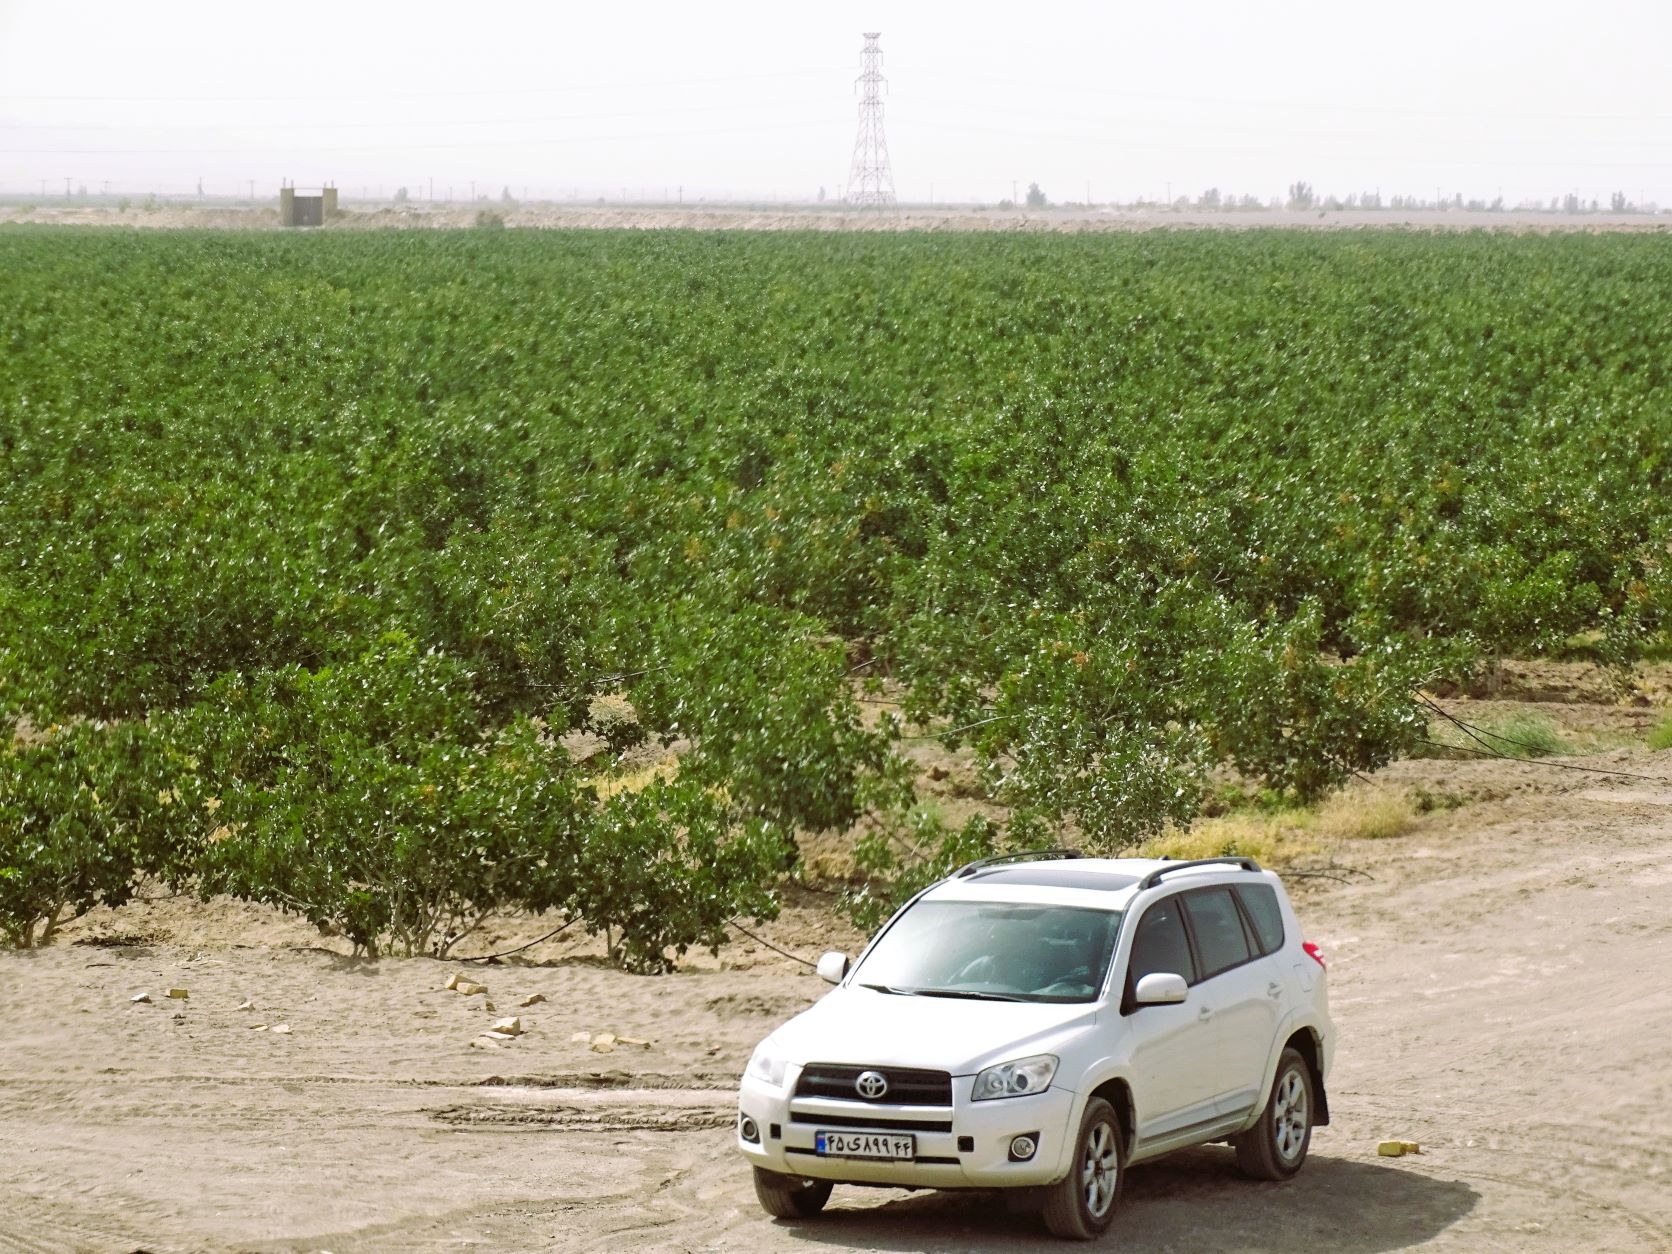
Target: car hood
[[862, 1027]]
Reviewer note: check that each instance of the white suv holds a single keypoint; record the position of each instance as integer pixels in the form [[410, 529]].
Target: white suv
[[1041, 1022]]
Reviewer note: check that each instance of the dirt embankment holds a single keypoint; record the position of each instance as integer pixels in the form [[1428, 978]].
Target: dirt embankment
[[1498, 977]]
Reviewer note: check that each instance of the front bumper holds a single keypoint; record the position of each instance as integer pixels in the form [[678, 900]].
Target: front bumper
[[963, 1146]]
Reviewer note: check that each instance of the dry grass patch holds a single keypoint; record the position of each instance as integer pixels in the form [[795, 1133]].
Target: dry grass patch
[[1280, 837], [1366, 814], [1270, 839], [637, 780]]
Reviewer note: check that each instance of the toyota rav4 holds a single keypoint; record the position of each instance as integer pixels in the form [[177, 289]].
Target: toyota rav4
[[1041, 1023]]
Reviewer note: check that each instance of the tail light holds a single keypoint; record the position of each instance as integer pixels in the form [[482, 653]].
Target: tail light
[[1316, 954]]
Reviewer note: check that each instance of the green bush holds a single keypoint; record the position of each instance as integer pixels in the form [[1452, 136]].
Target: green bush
[[370, 799], [666, 867], [1661, 736], [772, 715], [1111, 517], [80, 812]]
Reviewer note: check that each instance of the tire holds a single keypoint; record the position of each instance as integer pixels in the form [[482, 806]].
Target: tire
[[790, 1197], [1275, 1147], [1081, 1206]]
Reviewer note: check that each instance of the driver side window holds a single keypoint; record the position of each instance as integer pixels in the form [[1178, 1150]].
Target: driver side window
[[1160, 945]]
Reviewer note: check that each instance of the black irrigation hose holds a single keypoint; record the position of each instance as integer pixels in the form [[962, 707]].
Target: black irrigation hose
[[1471, 728], [955, 731], [1487, 751], [1560, 766], [733, 923], [506, 953]]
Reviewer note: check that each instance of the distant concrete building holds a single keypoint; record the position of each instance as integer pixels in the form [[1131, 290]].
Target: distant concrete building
[[297, 210]]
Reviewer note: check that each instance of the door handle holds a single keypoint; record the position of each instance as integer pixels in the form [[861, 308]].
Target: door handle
[[1205, 1013], [1274, 989]]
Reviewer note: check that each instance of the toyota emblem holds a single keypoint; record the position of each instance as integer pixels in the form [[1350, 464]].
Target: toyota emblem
[[871, 1085]]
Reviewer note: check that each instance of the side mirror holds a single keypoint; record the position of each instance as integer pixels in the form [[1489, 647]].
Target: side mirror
[[833, 966], [1160, 988]]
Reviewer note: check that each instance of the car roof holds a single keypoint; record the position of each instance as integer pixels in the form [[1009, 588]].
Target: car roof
[[1094, 883]]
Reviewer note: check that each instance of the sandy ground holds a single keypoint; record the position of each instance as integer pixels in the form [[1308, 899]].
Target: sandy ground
[[357, 215], [1499, 981]]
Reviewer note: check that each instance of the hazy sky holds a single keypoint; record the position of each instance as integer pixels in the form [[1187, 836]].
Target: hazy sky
[[1526, 99]]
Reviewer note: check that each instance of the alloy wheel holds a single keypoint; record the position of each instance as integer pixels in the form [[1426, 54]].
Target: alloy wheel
[[1289, 1120], [1100, 1170]]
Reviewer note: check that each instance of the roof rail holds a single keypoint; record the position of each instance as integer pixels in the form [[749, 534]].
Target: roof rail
[[970, 868], [1154, 877]]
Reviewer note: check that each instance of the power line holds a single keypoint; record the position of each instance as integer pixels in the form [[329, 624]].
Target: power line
[[1216, 126], [527, 120], [1363, 154], [430, 95], [545, 141]]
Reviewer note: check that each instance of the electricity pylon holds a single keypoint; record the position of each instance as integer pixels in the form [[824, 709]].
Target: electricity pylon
[[870, 181]]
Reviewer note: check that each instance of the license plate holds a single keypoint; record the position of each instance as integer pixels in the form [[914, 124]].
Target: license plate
[[865, 1145]]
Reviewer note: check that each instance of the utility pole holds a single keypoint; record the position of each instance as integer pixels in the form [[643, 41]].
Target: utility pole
[[870, 176], [67, 178], [473, 191]]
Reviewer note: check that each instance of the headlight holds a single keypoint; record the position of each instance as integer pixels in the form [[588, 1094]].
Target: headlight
[[1013, 1079], [767, 1064]]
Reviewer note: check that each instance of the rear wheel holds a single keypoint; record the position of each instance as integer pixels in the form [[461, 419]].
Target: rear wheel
[[1082, 1205], [790, 1197], [1275, 1147]]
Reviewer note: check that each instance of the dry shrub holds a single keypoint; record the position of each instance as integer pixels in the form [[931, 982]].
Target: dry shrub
[[1270, 839], [1276, 838], [1366, 814]]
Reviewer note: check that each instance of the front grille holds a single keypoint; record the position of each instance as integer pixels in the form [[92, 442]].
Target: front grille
[[860, 1121], [906, 1085]]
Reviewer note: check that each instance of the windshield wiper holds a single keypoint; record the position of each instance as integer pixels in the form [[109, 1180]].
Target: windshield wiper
[[884, 988], [969, 994]]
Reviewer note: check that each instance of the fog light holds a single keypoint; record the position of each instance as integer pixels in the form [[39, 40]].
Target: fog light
[[749, 1130], [1022, 1147]]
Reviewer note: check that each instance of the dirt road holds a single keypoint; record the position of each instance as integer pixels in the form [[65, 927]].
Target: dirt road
[[1500, 982]]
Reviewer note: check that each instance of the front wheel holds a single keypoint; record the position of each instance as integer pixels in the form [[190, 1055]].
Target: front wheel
[[1275, 1147], [790, 1197], [1082, 1205]]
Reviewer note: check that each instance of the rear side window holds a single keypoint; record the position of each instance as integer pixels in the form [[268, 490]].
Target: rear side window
[[1221, 942], [1260, 900], [1160, 945]]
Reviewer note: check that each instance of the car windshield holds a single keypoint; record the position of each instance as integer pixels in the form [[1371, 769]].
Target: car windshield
[[999, 951]]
